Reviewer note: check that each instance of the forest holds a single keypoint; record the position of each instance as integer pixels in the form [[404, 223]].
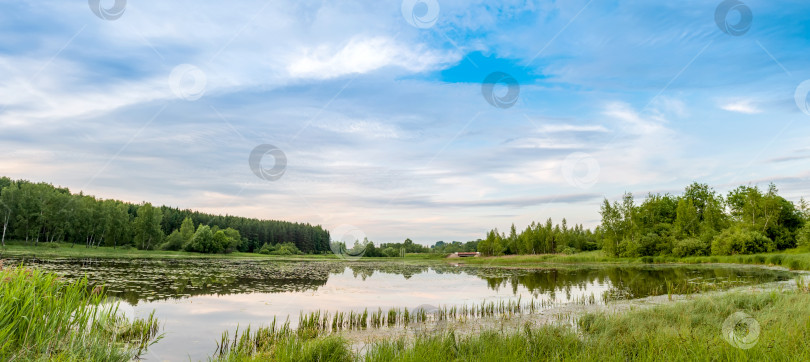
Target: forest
[[698, 222], [41, 213]]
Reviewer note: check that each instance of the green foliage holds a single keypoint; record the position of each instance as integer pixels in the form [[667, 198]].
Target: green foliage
[[690, 247], [280, 249], [147, 227], [803, 237], [46, 318], [390, 252], [203, 241], [738, 240], [174, 241], [696, 223], [539, 238], [685, 331], [456, 246], [40, 212], [687, 219]]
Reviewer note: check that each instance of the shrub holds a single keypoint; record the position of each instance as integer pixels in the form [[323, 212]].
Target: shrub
[[280, 249], [803, 236], [690, 247], [795, 264], [736, 240], [173, 242], [390, 252]]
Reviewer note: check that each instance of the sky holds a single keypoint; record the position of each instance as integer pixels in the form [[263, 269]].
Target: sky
[[431, 120]]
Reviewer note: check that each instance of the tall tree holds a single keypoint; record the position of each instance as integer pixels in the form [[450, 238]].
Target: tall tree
[[147, 226]]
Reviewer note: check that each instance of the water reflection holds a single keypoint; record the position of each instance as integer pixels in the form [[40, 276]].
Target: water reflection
[[146, 280]]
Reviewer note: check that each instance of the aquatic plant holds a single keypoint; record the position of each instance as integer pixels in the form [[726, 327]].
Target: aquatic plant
[[44, 317]]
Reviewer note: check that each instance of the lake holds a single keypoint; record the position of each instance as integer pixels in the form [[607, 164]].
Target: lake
[[197, 299]]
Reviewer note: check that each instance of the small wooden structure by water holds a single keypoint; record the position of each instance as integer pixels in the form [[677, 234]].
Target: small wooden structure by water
[[468, 254]]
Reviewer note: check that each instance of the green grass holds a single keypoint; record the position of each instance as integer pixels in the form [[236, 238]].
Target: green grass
[[793, 259], [63, 250], [682, 331], [45, 318], [679, 332]]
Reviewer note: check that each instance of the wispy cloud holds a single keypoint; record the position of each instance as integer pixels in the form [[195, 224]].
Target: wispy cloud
[[745, 106]]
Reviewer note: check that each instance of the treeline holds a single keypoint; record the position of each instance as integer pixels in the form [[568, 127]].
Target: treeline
[[40, 212], [539, 238], [455, 247], [368, 249], [703, 222]]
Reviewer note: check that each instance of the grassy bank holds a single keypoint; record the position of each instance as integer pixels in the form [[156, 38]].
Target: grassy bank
[[683, 331], [61, 250], [45, 318], [792, 259]]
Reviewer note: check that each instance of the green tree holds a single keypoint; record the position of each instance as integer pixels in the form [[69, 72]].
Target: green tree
[[203, 240], [687, 221], [147, 227]]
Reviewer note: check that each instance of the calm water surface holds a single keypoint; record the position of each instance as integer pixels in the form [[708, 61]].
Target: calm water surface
[[196, 300]]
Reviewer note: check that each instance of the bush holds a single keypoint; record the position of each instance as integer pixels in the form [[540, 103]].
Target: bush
[[803, 236], [568, 250], [795, 265], [690, 247], [736, 240], [280, 249], [390, 252], [173, 242]]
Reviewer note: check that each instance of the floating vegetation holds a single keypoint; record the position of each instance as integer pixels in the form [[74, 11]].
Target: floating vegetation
[[137, 280]]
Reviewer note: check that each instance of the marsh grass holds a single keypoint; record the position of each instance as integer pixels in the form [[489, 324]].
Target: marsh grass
[[682, 331], [45, 318]]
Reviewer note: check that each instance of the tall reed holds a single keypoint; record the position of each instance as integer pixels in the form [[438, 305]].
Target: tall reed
[[44, 317]]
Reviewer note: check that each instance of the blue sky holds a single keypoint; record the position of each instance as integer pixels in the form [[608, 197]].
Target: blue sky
[[383, 122]]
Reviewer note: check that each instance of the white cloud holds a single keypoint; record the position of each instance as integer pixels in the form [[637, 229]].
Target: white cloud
[[745, 106], [362, 55]]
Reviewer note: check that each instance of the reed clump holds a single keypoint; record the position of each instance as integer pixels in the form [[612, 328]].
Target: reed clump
[[46, 318]]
